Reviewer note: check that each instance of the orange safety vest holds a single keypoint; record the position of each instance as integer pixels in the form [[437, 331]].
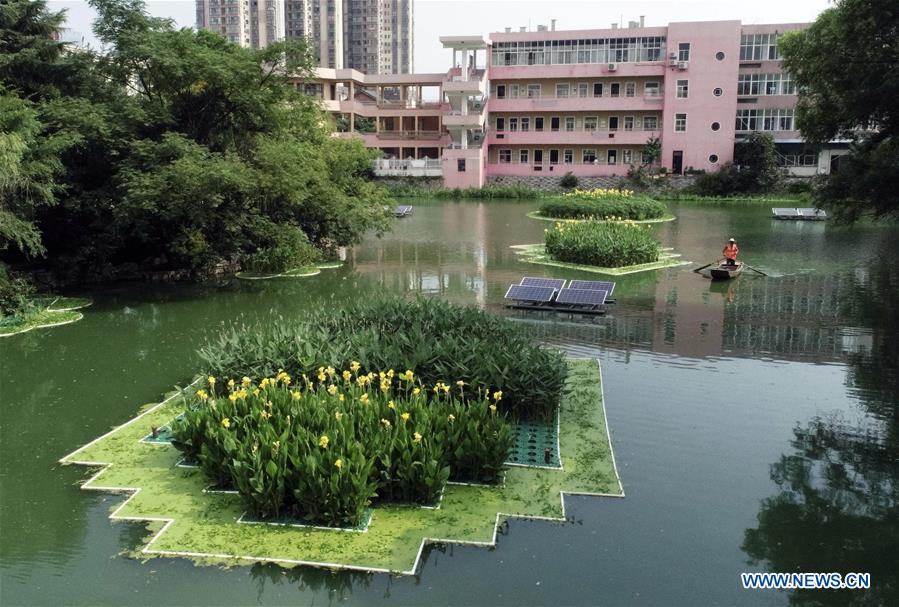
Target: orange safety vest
[[731, 250]]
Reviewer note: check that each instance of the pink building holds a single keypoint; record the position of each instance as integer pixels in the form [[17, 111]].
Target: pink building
[[545, 103]]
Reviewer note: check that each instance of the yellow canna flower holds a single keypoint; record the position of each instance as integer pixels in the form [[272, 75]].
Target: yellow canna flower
[[323, 441], [416, 438], [391, 405], [332, 390], [340, 397], [330, 371], [321, 376], [276, 445], [460, 383], [493, 408], [338, 463], [451, 418], [338, 415], [355, 366], [497, 395], [226, 423], [295, 395], [233, 397], [416, 391], [211, 381], [405, 416], [230, 384], [386, 422], [245, 381], [202, 395], [347, 375], [409, 375]]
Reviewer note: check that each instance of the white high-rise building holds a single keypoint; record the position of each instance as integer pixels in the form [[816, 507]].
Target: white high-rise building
[[372, 36]]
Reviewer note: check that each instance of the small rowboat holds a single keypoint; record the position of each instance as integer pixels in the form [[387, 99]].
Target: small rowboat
[[726, 272]]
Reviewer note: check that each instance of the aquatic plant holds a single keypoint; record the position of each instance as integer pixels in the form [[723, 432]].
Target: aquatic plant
[[602, 204], [603, 244], [441, 341], [325, 447]]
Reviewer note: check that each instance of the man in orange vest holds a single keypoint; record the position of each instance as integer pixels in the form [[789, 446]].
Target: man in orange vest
[[730, 252]]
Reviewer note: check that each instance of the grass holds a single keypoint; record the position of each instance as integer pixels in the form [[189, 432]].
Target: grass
[[183, 520], [489, 192], [536, 253], [46, 312]]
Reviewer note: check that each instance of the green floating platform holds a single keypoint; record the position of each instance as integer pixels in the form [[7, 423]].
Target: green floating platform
[[184, 519]]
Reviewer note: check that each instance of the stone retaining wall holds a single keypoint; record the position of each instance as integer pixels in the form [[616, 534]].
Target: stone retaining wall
[[551, 183]]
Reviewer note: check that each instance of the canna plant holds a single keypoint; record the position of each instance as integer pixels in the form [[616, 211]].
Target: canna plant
[[602, 244], [326, 447], [604, 205]]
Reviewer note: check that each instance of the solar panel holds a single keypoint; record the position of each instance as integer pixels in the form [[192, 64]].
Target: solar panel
[[402, 210], [581, 297], [593, 285], [812, 213], [555, 283], [783, 212], [530, 293]]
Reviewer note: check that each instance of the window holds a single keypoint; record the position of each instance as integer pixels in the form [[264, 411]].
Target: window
[[616, 89], [513, 91], [554, 156], [554, 123], [651, 89], [513, 124], [500, 91], [533, 91], [713, 158], [538, 123], [597, 89], [562, 90], [580, 51], [612, 157], [683, 51], [582, 89], [630, 89], [680, 123], [716, 126], [525, 124], [765, 120], [569, 123], [500, 124], [720, 55], [626, 156], [613, 123], [650, 123], [505, 156], [590, 123], [758, 47], [718, 91], [567, 156], [460, 165], [628, 123], [765, 84], [589, 156], [523, 156], [683, 89]]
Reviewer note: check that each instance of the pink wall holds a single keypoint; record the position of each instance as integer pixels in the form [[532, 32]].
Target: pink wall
[[475, 168], [704, 74]]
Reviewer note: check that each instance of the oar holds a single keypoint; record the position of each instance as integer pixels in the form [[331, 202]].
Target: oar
[[753, 269], [698, 270]]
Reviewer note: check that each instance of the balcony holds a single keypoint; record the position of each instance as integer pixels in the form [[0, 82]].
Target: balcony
[[407, 168], [579, 70], [606, 103], [420, 135], [575, 137], [386, 139]]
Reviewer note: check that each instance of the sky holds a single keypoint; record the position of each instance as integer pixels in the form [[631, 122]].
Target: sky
[[435, 18]]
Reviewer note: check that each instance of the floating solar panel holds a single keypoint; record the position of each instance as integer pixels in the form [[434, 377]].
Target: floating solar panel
[[784, 212], [812, 213], [593, 285], [555, 283], [402, 211], [531, 294], [581, 297]]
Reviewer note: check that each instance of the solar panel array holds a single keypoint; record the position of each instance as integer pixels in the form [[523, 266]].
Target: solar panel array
[[581, 297], [402, 210], [530, 293], [595, 285], [555, 283], [783, 212]]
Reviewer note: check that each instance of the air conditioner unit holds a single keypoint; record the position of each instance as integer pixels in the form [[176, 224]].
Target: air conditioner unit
[[613, 67], [682, 65], [672, 62], [477, 136], [672, 55], [477, 105]]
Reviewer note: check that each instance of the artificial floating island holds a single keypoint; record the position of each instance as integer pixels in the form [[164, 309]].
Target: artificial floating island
[[602, 204], [301, 272], [343, 467], [44, 312]]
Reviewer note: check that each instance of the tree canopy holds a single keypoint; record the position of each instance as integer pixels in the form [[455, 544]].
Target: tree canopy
[[167, 149], [846, 68]]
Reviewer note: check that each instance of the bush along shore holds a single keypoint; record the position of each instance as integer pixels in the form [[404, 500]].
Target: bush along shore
[[325, 449], [489, 192], [603, 204], [603, 244]]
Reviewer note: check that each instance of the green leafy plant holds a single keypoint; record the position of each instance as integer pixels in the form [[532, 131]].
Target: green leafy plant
[[568, 181], [603, 244], [602, 204]]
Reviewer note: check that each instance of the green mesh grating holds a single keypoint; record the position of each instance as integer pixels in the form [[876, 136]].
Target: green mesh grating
[[531, 442], [163, 435]]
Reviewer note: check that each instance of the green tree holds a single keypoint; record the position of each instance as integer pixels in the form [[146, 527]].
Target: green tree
[[846, 68], [756, 160]]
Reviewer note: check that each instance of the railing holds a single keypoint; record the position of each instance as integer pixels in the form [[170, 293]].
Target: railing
[[596, 132], [553, 98], [395, 167], [410, 134]]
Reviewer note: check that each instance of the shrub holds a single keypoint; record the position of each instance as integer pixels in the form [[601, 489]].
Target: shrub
[[15, 293], [439, 341], [603, 244], [325, 448], [602, 204], [569, 181], [286, 248]]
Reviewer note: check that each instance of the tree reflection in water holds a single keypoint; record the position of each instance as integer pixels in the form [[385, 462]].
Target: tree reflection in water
[[838, 509]]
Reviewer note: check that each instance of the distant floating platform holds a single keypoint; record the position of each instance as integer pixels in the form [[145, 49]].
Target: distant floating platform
[[806, 214], [402, 211]]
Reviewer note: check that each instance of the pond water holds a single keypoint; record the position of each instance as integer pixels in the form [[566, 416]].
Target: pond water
[[755, 423]]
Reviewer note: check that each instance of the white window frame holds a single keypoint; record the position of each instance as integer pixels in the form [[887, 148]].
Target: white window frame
[[625, 123], [532, 93], [683, 89], [652, 88], [586, 153], [570, 124], [655, 126], [525, 123], [601, 89], [583, 89], [630, 89], [683, 51], [682, 122], [612, 92], [505, 153], [568, 156], [594, 120], [563, 86], [523, 155]]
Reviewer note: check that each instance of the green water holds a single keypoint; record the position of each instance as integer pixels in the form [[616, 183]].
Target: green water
[[755, 423]]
